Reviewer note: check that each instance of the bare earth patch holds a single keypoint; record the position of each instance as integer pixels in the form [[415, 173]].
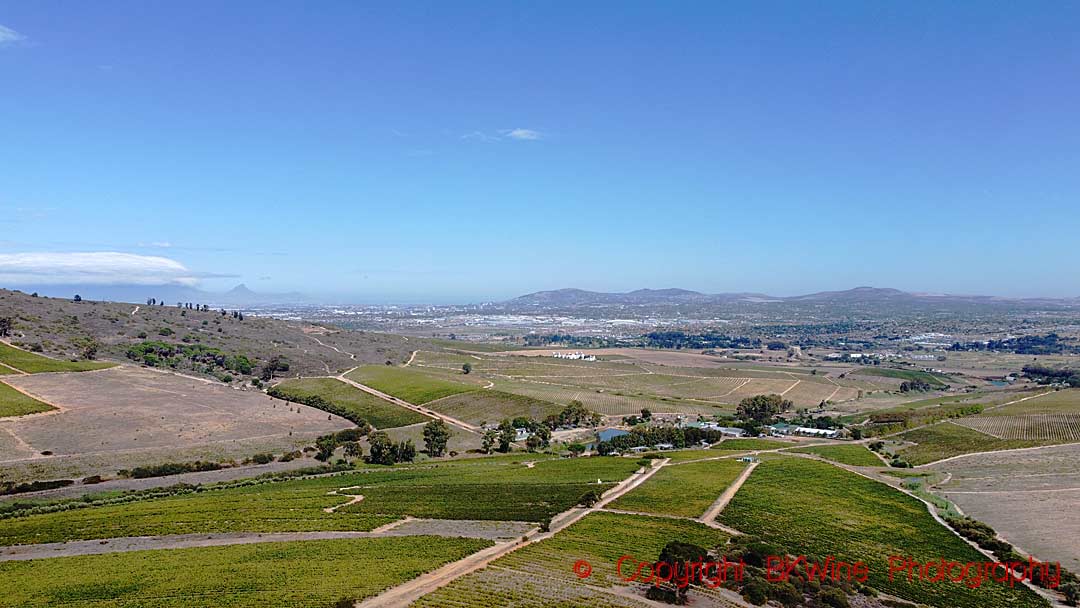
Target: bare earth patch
[[113, 418], [1030, 497]]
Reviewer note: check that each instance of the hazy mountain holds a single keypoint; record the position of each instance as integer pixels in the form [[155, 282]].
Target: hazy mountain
[[240, 295], [569, 298]]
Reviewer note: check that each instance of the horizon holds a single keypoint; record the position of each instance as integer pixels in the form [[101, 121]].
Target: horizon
[[466, 153]]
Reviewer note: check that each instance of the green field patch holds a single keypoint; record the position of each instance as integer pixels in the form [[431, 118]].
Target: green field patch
[[904, 374], [856, 455], [485, 488], [946, 439], [753, 443], [14, 403], [307, 574], [1065, 401], [32, 363], [479, 407], [540, 575], [406, 384], [686, 490], [818, 509], [688, 455], [380, 413]]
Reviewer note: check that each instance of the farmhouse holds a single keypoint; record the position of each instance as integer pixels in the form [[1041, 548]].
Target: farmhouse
[[781, 428], [804, 430], [732, 431]]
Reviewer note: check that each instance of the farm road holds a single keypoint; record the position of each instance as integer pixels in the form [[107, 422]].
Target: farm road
[[403, 527], [405, 404], [405, 594]]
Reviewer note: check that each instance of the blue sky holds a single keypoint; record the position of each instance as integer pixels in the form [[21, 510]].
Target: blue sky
[[461, 151]]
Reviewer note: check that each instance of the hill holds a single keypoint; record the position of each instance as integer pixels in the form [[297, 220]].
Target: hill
[[207, 342]]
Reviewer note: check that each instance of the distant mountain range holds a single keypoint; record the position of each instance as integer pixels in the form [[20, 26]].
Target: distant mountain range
[[240, 295], [570, 298]]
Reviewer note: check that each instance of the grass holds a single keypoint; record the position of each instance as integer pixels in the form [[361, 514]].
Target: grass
[[945, 440], [378, 412], [485, 488], [14, 403], [692, 454], [855, 454], [479, 407], [753, 444], [415, 387], [308, 574], [687, 490], [904, 374], [32, 364], [814, 508], [540, 575], [1058, 402]]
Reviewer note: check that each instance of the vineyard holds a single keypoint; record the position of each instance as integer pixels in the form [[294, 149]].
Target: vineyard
[[686, 490], [819, 509], [33, 364], [481, 489], [307, 574], [753, 443], [14, 403], [948, 439], [854, 454], [412, 386], [375, 411], [540, 575], [1036, 427], [491, 406]]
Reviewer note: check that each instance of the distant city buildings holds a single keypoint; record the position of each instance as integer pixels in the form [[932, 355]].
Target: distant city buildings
[[573, 356]]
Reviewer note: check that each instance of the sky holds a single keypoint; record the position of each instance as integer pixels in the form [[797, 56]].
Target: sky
[[471, 151]]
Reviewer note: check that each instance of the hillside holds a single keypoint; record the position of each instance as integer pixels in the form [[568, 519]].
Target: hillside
[[63, 329]]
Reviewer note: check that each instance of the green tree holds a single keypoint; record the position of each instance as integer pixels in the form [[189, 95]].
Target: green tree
[[466, 368], [491, 437], [380, 448], [6, 324], [576, 449], [507, 434], [436, 436], [762, 408], [353, 450]]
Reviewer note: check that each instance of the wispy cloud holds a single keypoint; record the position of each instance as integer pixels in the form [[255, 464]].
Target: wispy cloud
[[95, 268], [481, 136], [9, 36], [157, 244], [518, 134], [526, 134]]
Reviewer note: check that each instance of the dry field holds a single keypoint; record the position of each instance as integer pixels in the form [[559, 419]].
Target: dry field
[[1030, 497], [124, 416]]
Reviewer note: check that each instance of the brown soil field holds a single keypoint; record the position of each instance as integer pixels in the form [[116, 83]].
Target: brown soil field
[[1029, 496], [124, 416]]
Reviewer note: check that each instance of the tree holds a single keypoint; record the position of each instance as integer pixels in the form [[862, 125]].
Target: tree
[[507, 434], [353, 450], [645, 414], [466, 368], [679, 555], [78, 298], [491, 436], [404, 451], [576, 449], [762, 408], [6, 325], [88, 348], [325, 446], [380, 448], [436, 436]]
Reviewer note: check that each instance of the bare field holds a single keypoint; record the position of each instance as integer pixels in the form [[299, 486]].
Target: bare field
[[106, 416], [1030, 497]]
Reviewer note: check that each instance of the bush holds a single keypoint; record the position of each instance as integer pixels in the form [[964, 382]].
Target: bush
[[262, 458], [92, 480], [171, 468]]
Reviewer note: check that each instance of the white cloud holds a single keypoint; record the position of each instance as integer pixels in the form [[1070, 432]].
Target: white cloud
[[526, 134], [158, 244], [10, 36], [480, 136], [519, 134], [93, 268]]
